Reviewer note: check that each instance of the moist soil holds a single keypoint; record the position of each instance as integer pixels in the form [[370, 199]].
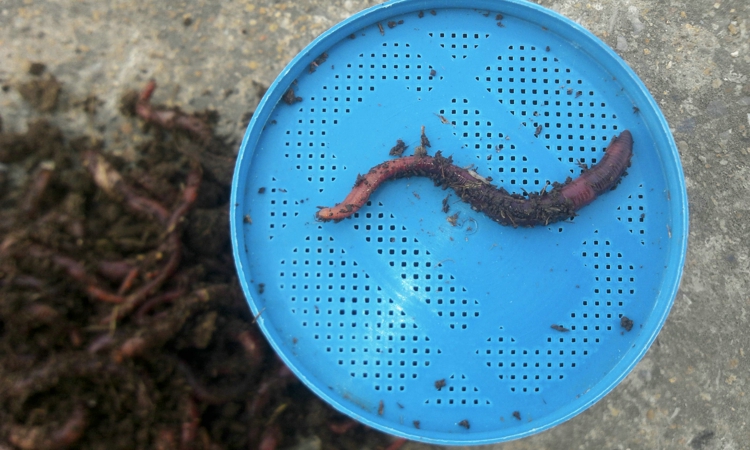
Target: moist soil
[[122, 324]]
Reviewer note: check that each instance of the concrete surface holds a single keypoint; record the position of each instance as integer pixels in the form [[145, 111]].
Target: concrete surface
[[691, 390]]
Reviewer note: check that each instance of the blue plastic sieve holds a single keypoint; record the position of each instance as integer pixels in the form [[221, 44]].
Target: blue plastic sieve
[[440, 330]]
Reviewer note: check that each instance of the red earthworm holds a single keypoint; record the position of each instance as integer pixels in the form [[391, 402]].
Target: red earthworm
[[115, 271], [272, 382], [34, 437], [77, 271], [250, 342], [135, 346], [188, 197], [167, 297], [270, 438], [537, 208], [190, 426], [213, 395], [42, 313], [101, 342], [127, 283], [39, 184], [165, 440], [110, 180], [25, 281], [169, 118], [156, 188], [342, 427], [75, 337]]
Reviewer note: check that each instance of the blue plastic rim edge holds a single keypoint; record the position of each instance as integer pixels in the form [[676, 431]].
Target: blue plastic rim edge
[[597, 51]]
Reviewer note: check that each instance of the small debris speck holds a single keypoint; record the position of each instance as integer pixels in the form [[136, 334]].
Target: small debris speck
[[37, 68], [398, 149], [289, 97]]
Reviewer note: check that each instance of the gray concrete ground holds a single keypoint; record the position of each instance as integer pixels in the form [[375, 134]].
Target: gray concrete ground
[[692, 389]]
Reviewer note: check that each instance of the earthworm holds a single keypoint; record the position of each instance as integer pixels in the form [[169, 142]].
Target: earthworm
[[262, 396], [536, 208], [127, 283], [342, 427], [167, 297], [114, 271], [42, 313], [101, 342], [165, 440], [160, 330], [34, 194], [250, 342], [30, 438], [213, 395], [77, 271], [26, 281], [270, 438], [108, 179], [169, 118], [74, 365], [189, 429]]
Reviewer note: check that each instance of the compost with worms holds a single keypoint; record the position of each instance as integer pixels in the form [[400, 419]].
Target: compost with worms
[[122, 324]]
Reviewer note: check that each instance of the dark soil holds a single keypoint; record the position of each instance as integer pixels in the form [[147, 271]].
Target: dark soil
[[121, 321]]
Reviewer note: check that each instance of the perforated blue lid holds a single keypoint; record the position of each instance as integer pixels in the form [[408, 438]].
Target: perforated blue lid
[[440, 330]]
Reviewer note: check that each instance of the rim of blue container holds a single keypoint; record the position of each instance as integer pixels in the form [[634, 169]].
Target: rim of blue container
[[597, 51]]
